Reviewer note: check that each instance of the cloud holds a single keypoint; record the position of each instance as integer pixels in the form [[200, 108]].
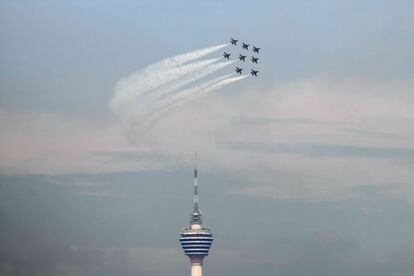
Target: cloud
[[324, 136], [321, 253], [27, 250], [386, 191], [326, 193], [327, 150], [37, 142], [48, 249], [58, 232]]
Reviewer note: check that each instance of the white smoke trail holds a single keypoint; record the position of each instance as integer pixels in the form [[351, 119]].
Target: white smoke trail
[[193, 77], [184, 58], [140, 82], [200, 91], [214, 87], [142, 102], [189, 91], [153, 91], [187, 95], [148, 78]]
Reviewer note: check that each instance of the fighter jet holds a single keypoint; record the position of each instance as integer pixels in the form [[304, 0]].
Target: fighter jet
[[245, 46], [254, 60], [255, 49], [233, 41], [225, 55], [254, 73], [239, 70], [242, 57]]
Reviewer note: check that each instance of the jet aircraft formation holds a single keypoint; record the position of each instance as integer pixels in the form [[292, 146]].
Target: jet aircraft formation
[[242, 58]]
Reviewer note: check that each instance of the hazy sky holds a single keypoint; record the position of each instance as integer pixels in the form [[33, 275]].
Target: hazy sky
[[306, 170]]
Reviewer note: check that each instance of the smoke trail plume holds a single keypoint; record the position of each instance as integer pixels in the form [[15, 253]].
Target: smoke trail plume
[[187, 95], [140, 100], [184, 58], [153, 91], [199, 91], [216, 86], [149, 78], [182, 95], [143, 82], [193, 77]]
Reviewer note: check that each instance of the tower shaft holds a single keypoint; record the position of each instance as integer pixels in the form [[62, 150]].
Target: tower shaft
[[196, 270]]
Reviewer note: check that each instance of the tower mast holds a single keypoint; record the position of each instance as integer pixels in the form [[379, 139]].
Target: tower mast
[[195, 219]]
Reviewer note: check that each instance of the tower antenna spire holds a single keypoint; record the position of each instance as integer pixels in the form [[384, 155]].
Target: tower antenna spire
[[195, 164], [196, 214], [195, 182]]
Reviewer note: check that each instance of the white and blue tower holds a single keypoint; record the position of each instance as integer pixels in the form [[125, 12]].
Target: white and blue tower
[[196, 239]]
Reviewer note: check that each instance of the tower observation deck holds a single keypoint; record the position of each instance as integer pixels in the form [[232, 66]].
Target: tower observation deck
[[196, 239]]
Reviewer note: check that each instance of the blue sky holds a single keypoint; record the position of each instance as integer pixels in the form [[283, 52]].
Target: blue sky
[[314, 155]]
